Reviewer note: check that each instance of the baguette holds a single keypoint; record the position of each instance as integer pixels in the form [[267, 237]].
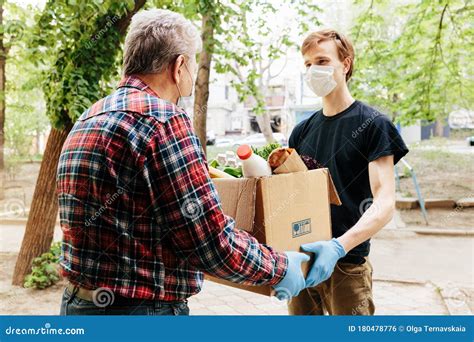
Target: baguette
[[278, 157], [216, 173]]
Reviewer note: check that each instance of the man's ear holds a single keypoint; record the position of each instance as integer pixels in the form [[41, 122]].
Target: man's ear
[[176, 68], [347, 65]]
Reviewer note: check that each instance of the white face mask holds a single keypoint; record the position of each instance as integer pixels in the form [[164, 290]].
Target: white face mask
[[183, 101], [319, 79]]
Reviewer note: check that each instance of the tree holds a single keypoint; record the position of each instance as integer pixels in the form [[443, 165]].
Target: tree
[[3, 59], [82, 39], [24, 112], [10, 31], [258, 40], [210, 12], [413, 60]]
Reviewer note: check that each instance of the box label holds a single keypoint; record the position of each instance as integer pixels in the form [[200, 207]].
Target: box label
[[300, 228]]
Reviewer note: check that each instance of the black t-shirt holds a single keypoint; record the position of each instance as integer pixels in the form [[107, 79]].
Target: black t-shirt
[[346, 143]]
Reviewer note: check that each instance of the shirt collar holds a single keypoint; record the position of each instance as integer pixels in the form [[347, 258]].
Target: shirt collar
[[135, 82]]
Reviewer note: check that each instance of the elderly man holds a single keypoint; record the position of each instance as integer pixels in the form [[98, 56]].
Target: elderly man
[[140, 215]]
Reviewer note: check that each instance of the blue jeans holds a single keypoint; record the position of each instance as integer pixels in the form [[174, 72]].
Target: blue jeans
[[72, 305]]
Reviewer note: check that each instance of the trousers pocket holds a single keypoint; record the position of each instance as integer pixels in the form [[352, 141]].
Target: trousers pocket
[[352, 270]]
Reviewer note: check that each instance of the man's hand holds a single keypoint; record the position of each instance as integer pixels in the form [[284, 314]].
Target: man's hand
[[327, 253], [293, 282]]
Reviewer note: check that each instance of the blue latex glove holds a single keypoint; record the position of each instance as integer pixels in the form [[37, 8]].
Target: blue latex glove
[[293, 281], [327, 253]]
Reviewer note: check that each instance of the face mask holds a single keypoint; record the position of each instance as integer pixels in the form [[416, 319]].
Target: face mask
[[184, 100], [319, 79]]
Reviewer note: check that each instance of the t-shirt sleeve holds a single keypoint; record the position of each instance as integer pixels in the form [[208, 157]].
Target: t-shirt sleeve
[[383, 139]]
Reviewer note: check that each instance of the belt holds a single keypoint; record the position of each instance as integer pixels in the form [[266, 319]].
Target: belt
[[107, 297], [80, 292]]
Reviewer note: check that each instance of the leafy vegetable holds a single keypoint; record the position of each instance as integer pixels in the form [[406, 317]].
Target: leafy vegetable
[[265, 151], [214, 163], [234, 171]]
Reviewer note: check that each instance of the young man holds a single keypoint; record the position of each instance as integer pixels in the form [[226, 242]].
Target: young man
[[359, 146]]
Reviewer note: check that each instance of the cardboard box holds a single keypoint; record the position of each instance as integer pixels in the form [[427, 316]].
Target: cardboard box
[[283, 211]]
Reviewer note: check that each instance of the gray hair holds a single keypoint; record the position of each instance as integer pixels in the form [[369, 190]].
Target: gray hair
[[155, 39]]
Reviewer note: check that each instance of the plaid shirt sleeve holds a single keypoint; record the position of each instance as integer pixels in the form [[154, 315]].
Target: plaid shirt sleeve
[[187, 206]]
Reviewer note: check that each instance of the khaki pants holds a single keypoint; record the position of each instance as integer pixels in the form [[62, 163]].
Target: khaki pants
[[347, 292]]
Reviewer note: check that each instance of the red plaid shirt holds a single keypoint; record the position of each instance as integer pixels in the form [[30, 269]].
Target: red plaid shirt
[[139, 212]]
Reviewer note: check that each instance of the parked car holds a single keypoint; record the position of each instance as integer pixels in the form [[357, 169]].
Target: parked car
[[275, 122], [461, 119], [224, 142], [210, 138], [258, 140]]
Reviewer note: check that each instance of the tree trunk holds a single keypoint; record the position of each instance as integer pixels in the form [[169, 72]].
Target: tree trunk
[[201, 93], [438, 128], [263, 121], [44, 208]]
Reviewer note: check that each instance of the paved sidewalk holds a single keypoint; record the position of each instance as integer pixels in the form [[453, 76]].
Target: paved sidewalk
[[413, 274], [391, 298]]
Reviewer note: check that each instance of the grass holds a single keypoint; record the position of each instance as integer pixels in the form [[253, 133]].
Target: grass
[[437, 160], [440, 174]]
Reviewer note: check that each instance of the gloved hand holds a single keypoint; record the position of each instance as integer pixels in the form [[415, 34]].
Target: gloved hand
[[327, 254], [293, 281]]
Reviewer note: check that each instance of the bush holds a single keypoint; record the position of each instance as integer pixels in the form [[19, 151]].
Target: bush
[[45, 269]]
